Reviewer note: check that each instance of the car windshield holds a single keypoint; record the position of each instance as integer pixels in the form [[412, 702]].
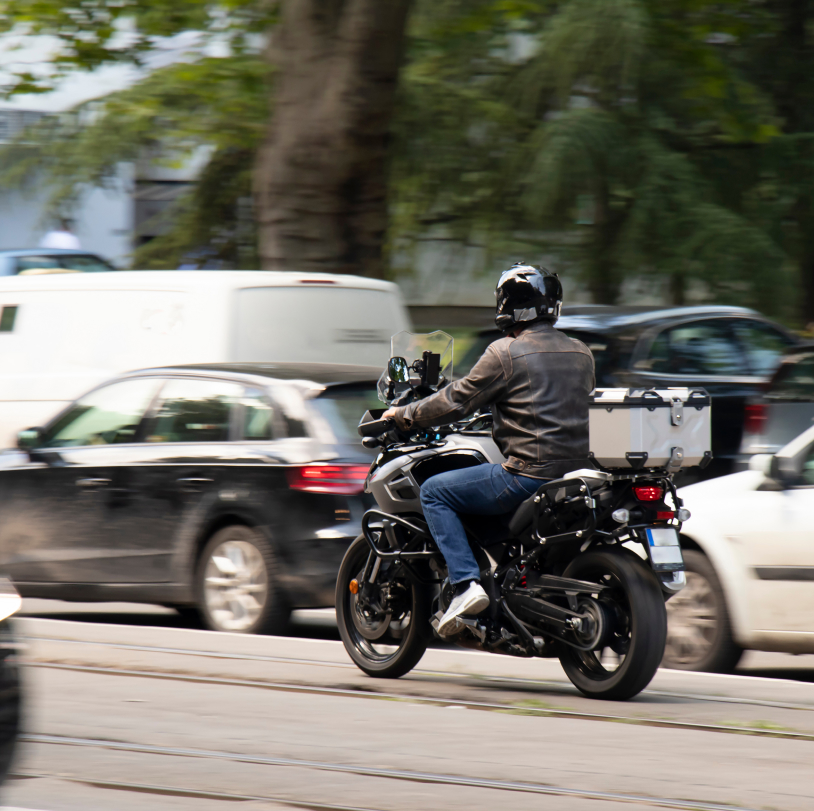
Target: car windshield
[[343, 406]]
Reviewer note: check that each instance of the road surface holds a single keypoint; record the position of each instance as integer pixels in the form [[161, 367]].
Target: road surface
[[132, 717]]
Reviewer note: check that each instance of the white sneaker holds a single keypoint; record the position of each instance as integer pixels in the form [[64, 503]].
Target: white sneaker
[[472, 601]]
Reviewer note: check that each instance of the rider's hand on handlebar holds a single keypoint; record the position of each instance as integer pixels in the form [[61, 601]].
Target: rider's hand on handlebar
[[390, 414]]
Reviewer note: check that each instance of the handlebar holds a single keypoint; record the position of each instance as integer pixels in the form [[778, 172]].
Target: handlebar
[[376, 427]]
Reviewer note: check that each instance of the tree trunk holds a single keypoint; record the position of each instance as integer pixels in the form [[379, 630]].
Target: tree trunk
[[678, 289], [603, 281], [320, 181]]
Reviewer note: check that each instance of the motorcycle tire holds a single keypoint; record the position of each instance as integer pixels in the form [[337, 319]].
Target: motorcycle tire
[[409, 646], [640, 623]]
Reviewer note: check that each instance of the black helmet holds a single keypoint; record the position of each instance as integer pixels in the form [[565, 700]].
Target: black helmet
[[524, 294]]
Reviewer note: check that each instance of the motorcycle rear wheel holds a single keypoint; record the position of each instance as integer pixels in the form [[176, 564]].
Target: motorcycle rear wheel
[[636, 601], [386, 647]]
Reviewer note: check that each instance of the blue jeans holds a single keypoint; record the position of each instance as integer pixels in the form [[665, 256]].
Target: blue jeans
[[481, 490]]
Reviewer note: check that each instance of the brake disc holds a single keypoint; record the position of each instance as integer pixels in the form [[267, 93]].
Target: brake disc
[[370, 624]]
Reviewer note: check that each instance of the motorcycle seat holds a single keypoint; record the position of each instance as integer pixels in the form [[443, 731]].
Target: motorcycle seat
[[523, 516]]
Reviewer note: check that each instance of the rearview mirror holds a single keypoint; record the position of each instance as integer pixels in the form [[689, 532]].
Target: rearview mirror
[[29, 438], [398, 371]]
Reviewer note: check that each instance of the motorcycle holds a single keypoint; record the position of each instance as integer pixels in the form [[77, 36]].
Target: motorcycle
[[580, 571]]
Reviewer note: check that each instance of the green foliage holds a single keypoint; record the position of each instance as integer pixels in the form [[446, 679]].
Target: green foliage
[[99, 32], [612, 116], [661, 138]]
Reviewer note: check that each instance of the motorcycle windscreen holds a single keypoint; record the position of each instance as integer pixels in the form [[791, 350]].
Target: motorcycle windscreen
[[411, 346]]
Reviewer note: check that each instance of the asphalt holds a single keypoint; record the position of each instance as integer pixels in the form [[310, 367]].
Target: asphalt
[[128, 716], [321, 624]]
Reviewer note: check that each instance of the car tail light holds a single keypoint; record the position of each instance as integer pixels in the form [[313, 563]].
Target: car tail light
[[345, 480], [754, 418], [648, 492]]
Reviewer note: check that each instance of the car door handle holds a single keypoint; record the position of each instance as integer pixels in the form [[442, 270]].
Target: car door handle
[[92, 482], [193, 482]]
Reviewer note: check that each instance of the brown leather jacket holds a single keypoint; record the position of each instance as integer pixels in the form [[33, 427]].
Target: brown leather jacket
[[537, 387]]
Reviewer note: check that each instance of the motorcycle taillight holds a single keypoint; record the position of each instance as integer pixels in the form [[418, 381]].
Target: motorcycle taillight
[[345, 480], [647, 492]]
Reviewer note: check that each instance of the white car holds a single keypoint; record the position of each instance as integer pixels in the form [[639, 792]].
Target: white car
[[749, 554]]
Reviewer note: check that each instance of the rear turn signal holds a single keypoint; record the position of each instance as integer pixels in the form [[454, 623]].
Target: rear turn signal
[[648, 493], [347, 480], [621, 516]]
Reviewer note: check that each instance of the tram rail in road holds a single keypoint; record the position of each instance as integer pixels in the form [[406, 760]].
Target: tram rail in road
[[135, 717], [432, 778]]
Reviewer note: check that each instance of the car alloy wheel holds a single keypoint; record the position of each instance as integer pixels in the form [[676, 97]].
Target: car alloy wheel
[[235, 585], [699, 636], [692, 619]]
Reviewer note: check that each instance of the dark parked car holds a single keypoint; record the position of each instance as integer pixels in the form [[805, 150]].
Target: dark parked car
[[40, 261], [729, 351], [233, 489], [785, 409]]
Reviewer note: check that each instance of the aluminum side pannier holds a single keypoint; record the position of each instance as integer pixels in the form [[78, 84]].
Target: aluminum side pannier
[[650, 428]]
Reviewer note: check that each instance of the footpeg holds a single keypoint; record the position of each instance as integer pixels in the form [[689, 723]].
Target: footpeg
[[474, 626]]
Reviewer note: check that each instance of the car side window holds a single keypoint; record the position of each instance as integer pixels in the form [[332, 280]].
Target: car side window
[[194, 410], [702, 348], [794, 381], [293, 412], [763, 344], [86, 263], [107, 416], [258, 416]]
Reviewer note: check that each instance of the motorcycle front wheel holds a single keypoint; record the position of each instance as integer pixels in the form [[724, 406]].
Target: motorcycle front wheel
[[632, 648], [383, 643]]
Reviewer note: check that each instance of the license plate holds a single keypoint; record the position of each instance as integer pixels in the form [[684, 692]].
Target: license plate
[[662, 543]]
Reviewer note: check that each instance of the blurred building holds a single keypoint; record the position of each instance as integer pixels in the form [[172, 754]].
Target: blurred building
[[102, 221]]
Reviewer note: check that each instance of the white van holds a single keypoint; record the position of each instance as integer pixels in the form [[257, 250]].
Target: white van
[[61, 335]]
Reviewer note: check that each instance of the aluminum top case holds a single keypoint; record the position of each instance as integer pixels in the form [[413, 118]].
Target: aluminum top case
[[650, 428]]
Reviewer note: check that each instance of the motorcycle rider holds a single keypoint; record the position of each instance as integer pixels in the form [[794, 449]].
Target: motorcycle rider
[[536, 382]]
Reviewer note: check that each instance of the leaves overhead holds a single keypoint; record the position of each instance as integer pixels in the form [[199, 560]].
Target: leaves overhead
[[663, 139], [94, 33]]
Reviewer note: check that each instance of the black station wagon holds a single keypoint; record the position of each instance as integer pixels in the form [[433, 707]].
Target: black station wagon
[[231, 490]]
